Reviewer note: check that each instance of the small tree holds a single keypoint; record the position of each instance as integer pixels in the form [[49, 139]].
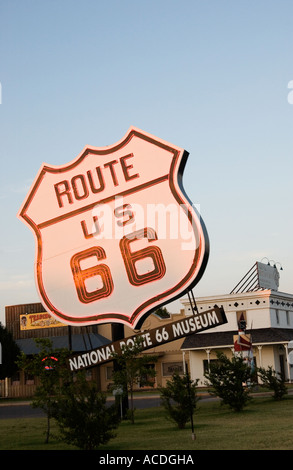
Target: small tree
[[132, 369], [82, 416], [179, 398], [270, 379], [48, 366], [228, 379], [162, 312]]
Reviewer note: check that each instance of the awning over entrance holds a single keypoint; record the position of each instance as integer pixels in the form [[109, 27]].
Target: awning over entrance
[[79, 343]]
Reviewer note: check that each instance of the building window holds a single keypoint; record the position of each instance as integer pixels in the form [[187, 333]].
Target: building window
[[169, 368], [277, 317], [288, 317]]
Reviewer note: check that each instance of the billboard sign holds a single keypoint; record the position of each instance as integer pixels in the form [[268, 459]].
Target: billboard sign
[[36, 321], [268, 276], [116, 235]]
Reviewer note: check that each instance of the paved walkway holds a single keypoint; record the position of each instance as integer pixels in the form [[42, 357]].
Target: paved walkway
[[137, 396]]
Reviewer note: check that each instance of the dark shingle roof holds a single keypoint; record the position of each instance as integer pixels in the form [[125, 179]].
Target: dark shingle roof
[[225, 338]]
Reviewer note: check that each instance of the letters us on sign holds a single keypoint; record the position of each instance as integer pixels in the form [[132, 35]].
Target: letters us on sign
[[116, 236]]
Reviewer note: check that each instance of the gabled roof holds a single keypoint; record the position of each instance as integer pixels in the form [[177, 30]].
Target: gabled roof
[[225, 338], [79, 343]]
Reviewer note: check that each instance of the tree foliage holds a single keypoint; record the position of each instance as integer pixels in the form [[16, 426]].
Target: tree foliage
[[49, 366], [133, 368], [270, 379], [162, 312], [179, 398], [78, 408], [82, 416], [228, 378]]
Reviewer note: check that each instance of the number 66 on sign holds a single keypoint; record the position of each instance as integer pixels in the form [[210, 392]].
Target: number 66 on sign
[[116, 236]]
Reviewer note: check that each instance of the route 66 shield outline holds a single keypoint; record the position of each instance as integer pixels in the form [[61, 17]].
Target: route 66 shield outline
[[104, 253]]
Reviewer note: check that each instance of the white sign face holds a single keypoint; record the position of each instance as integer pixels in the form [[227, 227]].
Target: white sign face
[[268, 276], [116, 235]]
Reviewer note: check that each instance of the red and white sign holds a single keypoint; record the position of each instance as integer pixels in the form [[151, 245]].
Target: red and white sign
[[116, 235], [242, 342]]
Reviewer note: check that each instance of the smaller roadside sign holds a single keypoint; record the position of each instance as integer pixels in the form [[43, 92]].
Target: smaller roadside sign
[[155, 337]]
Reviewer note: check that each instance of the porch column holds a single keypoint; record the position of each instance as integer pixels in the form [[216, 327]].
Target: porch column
[[183, 360], [208, 355], [288, 363], [259, 354]]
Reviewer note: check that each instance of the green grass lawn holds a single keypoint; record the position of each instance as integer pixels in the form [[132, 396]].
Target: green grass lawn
[[263, 425]]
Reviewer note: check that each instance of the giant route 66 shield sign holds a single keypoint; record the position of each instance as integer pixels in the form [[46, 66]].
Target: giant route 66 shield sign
[[116, 236]]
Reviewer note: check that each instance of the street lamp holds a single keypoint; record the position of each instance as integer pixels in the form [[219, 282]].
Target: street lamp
[[272, 261], [275, 264]]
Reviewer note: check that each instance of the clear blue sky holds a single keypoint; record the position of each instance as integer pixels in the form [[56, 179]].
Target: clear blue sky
[[207, 75]]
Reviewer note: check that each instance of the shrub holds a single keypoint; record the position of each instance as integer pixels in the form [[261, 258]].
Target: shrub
[[82, 416], [276, 384], [228, 379], [179, 398]]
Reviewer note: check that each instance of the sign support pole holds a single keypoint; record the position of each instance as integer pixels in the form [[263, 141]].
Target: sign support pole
[[194, 311], [190, 402], [192, 301], [118, 334]]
